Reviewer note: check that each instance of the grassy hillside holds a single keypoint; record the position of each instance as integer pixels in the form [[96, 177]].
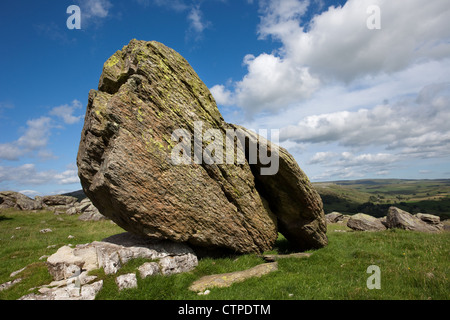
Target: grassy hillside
[[375, 196], [413, 265]]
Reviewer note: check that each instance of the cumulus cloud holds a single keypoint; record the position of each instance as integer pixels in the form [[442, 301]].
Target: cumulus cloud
[[92, 11], [416, 125], [273, 83], [222, 95], [65, 112], [28, 174], [37, 133], [336, 46]]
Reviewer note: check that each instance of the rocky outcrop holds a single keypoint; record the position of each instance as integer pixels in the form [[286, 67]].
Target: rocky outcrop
[[146, 93], [364, 222], [16, 200], [69, 267], [112, 253], [397, 218], [59, 204]]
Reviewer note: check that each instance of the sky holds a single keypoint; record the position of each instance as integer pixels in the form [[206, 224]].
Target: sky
[[356, 89]]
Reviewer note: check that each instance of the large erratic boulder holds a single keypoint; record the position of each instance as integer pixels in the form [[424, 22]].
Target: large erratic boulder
[[146, 92]]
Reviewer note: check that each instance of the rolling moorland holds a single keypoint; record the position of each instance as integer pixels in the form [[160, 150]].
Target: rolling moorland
[[374, 197], [414, 265]]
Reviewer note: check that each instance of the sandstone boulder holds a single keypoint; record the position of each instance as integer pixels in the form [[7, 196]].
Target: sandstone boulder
[[58, 200], [334, 217], [290, 196], [146, 93], [364, 222], [397, 218], [16, 200], [429, 218]]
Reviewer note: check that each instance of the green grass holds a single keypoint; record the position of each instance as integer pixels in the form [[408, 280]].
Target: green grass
[[414, 266]]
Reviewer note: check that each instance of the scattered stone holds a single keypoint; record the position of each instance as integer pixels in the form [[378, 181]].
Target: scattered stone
[[16, 200], [334, 217], [55, 201], [178, 264], [227, 279], [401, 219], [364, 222], [46, 230], [70, 237], [429, 218], [64, 264], [126, 281], [9, 284], [15, 273], [276, 257], [204, 293], [149, 269], [70, 291]]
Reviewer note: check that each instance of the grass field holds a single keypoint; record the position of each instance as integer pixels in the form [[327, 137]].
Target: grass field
[[413, 265]]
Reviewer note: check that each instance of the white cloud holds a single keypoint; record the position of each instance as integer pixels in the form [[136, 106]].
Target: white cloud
[[36, 135], [272, 84], [94, 11], [338, 43], [336, 47], [10, 151], [416, 125], [27, 174], [222, 95], [65, 112], [196, 22]]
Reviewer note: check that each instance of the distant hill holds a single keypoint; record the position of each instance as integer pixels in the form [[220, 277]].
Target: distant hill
[[77, 194], [375, 196]]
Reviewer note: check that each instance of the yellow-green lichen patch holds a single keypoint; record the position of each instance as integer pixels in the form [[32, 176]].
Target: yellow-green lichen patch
[[112, 61]]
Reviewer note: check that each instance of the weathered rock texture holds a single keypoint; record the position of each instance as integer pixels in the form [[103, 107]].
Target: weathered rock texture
[[227, 279], [364, 222], [146, 92], [397, 218], [16, 200]]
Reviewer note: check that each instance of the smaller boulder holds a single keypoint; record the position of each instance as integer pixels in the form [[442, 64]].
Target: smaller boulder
[[429, 218], [64, 264], [53, 201], [364, 222], [401, 219], [127, 281], [11, 199], [149, 269], [334, 217]]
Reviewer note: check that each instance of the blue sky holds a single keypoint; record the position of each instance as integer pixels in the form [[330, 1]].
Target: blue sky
[[350, 102]]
